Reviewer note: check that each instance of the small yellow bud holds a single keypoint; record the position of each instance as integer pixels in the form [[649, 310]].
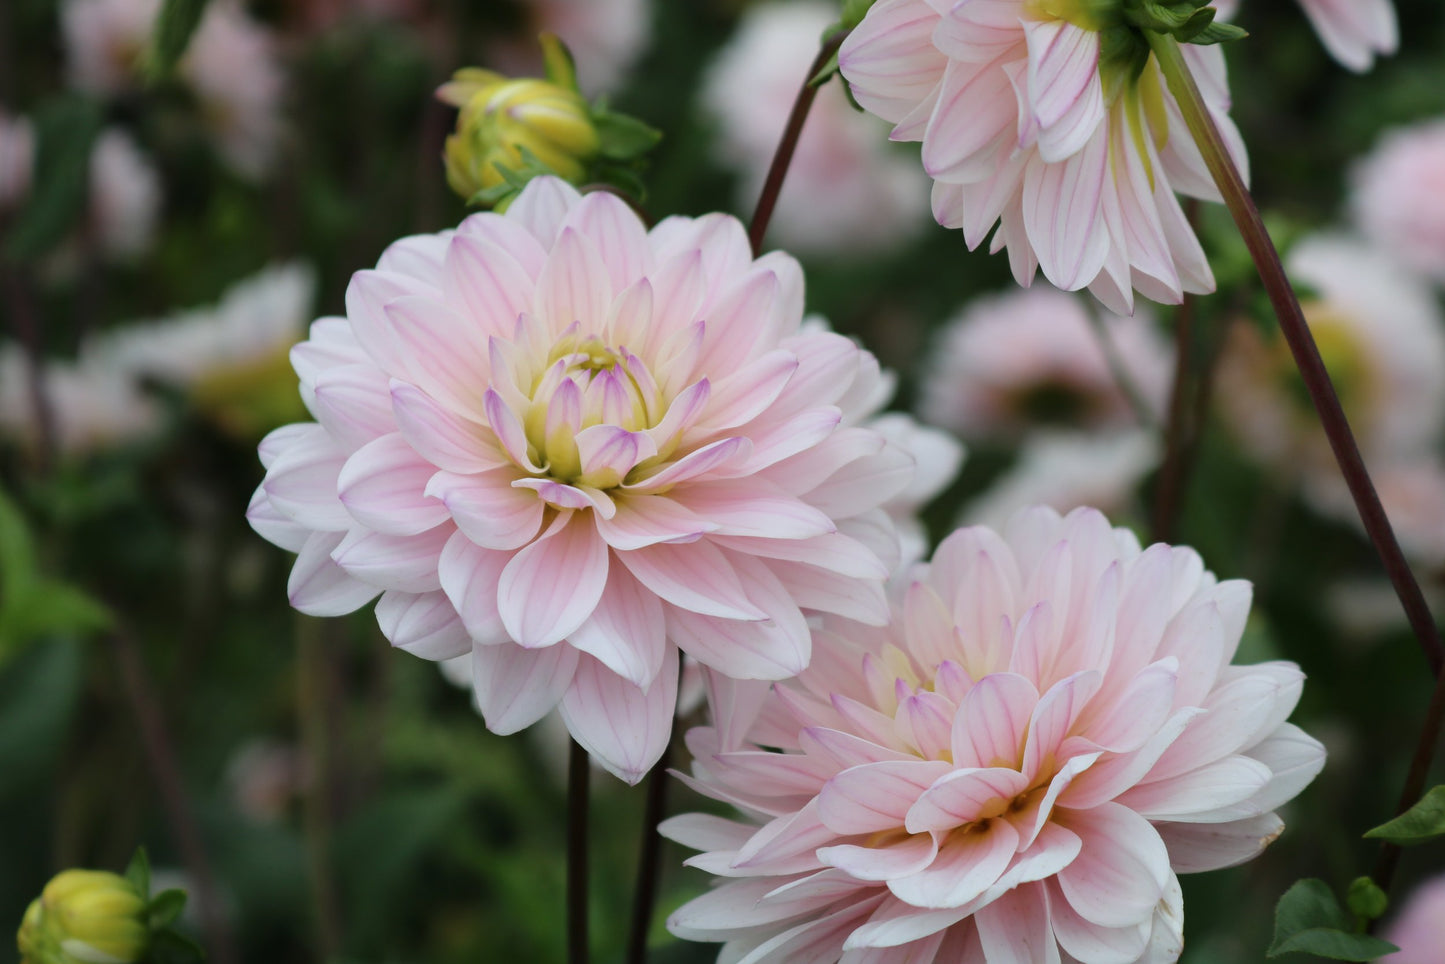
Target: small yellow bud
[[85, 917], [501, 118]]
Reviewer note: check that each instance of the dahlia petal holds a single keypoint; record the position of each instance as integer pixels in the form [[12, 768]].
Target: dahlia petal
[[834, 552], [845, 749], [738, 322], [734, 704], [282, 439], [441, 436], [859, 485], [542, 207], [1236, 714], [686, 408], [697, 577], [1137, 712], [908, 856], [1116, 773], [703, 831], [612, 450], [968, 863], [776, 647], [752, 507], [1197, 847], [971, 116], [875, 796], [894, 65], [423, 624], [407, 563], [509, 235], [1209, 794], [750, 390], [553, 585], [1049, 851], [367, 295], [318, 586], [1014, 929], [963, 796], [924, 721], [574, 286], [1065, 92], [489, 283], [1294, 757], [645, 520], [618, 234], [442, 351], [419, 256], [562, 496], [626, 633], [469, 575], [623, 726], [1088, 941], [384, 487], [301, 482], [978, 30], [1061, 215], [773, 444], [1054, 717], [678, 289], [787, 844], [708, 459], [737, 904], [822, 591], [354, 403], [331, 344], [1120, 874], [491, 511], [896, 923], [274, 527], [516, 687]]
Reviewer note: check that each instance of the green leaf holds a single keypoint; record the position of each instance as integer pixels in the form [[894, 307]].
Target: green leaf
[[46, 608], [39, 690], [1423, 822], [138, 871], [17, 550], [65, 132], [171, 35], [165, 907], [825, 73], [1367, 901], [621, 137], [1218, 33], [1309, 919]]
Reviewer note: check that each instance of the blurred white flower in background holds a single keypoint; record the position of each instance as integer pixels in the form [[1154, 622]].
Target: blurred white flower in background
[[1029, 359], [231, 67], [92, 405], [848, 189], [1065, 470], [1398, 199]]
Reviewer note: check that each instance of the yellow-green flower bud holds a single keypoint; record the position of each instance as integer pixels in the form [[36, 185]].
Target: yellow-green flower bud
[[503, 120], [85, 917]]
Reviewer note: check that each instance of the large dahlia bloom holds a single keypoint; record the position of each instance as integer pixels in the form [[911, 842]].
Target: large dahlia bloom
[[1014, 771], [573, 447], [1025, 125]]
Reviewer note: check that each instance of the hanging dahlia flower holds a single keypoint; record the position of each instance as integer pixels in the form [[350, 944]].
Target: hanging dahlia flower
[[1036, 123], [573, 447], [1353, 31], [1015, 770]]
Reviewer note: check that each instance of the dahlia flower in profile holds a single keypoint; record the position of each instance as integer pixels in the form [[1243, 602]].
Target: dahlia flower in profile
[[1353, 31], [1382, 337], [1065, 470], [1028, 359], [1419, 929], [574, 447], [232, 66], [1016, 769], [1398, 200], [1029, 120], [846, 192]]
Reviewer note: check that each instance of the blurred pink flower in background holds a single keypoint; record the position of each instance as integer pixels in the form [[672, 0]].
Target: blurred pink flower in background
[[848, 191], [1049, 731], [1398, 199], [1353, 31], [94, 406], [1065, 470], [1379, 331], [1419, 928], [1023, 125], [232, 67], [573, 446], [1028, 359], [17, 157], [606, 37]]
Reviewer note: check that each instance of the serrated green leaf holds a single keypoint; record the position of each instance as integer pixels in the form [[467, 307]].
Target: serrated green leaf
[[1366, 900], [622, 137], [65, 132], [165, 907], [1218, 33], [1309, 919], [1423, 822], [138, 871], [175, 25]]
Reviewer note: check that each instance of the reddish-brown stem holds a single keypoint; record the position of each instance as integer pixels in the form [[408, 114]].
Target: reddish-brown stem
[[1301, 345], [578, 775], [783, 156], [164, 769], [1415, 782]]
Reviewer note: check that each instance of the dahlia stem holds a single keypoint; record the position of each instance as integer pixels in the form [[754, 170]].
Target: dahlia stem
[[578, 773], [1169, 490], [773, 185], [1119, 371], [1415, 782], [649, 855], [1301, 344]]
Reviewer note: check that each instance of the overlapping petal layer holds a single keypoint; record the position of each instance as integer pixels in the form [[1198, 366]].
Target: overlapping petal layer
[[1014, 771], [572, 446]]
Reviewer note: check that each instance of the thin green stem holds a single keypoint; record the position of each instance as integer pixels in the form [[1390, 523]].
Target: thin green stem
[[1301, 344], [578, 774], [792, 131]]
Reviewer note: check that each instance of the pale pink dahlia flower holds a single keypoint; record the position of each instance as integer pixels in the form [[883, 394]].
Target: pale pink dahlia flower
[[1014, 771], [1022, 124], [848, 190], [1399, 196], [1028, 359], [573, 447], [1353, 31]]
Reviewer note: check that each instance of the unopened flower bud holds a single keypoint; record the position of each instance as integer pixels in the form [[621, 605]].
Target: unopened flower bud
[[512, 125], [85, 917]]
